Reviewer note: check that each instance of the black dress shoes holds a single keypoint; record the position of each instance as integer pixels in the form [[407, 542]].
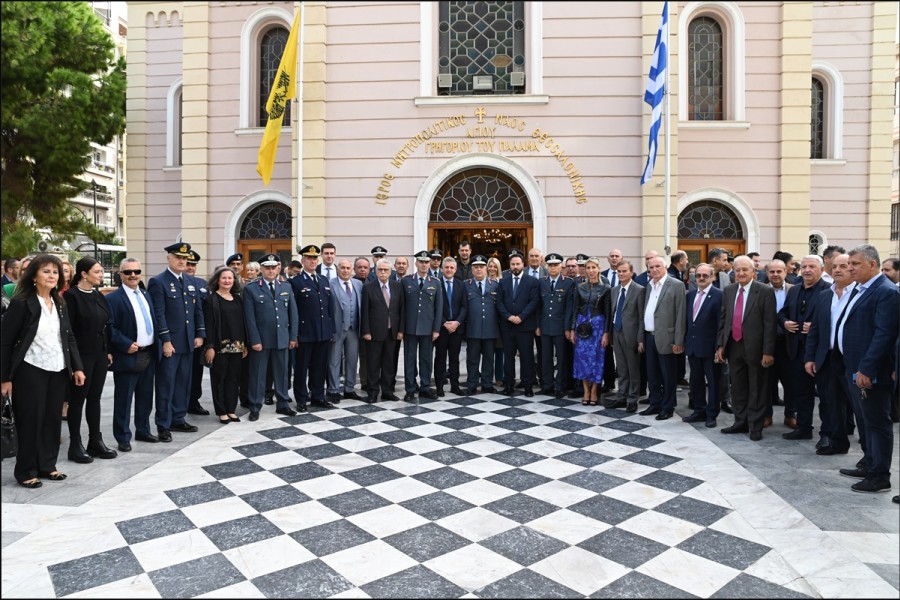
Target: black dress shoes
[[323, 403], [755, 436], [486, 390], [146, 438], [124, 447], [832, 450], [872, 485], [333, 397], [427, 393], [456, 390], [711, 423], [409, 397], [726, 408], [198, 410], [286, 410], [736, 429], [440, 392], [559, 395], [508, 391], [652, 410], [269, 401], [470, 392], [824, 442], [529, 393], [664, 415], [301, 408], [857, 473], [371, 398], [165, 436], [631, 408], [797, 435], [694, 417], [391, 396], [254, 415], [183, 427], [352, 396]]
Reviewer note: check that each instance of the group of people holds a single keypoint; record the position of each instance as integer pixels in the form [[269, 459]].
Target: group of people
[[574, 328]]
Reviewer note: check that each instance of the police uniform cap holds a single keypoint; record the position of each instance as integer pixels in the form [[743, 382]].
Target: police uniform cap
[[553, 258], [436, 253], [423, 256], [234, 257], [195, 257], [270, 260], [582, 258], [516, 252], [310, 250], [179, 249], [379, 251], [479, 259]]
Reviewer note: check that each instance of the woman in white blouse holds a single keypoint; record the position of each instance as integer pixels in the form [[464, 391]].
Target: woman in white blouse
[[38, 354]]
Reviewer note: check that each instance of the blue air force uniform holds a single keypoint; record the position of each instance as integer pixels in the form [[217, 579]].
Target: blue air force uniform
[[424, 311], [556, 316], [482, 330], [314, 307]]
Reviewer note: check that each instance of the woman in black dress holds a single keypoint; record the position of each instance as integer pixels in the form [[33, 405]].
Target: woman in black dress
[[226, 341], [88, 313]]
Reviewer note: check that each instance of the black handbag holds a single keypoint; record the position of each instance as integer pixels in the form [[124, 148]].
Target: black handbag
[[585, 330], [9, 439]]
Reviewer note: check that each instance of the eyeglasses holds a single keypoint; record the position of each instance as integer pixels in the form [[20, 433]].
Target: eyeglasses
[[131, 272], [701, 276]]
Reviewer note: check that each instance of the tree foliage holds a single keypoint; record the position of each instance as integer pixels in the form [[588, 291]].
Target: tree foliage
[[63, 88]]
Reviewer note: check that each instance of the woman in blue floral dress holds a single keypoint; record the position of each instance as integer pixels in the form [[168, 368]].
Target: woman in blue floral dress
[[592, 313]]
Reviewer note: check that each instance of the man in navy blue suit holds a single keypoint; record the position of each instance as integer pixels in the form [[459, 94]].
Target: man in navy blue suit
[[179, 316], [132, 339], [449, 343], [704, 306], [867, 336], [518, 307], [194, 407]]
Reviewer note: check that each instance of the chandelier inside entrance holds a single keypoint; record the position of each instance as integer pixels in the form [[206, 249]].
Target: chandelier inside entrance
[[492, 236]]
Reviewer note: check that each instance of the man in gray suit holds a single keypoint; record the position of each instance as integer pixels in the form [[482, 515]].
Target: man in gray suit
[[344, 350], [627, 336], [272, 329], [748, 342], [483, 327], [664, 328], [424, 312]]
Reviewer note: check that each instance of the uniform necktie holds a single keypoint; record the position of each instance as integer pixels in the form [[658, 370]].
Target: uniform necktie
[[421, 282], [148, 324], [552, 286], [480, 292], [272, 288], [347, 288], [697, 303], [450, 298], [515, 286], [737, 320], [840, 320], [619, 305]]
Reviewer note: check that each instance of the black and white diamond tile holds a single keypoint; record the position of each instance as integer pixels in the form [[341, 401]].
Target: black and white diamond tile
[[484, 497]]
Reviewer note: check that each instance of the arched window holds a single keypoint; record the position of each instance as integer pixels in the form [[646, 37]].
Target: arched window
[[271, 221], [817, 126], [271, 48], [706, 77], [826, 120], [174, 130], [709, 220], [481, 196]]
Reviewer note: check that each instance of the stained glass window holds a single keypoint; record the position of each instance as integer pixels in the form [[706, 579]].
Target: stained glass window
[[484, 39], [705, 76], [481, 195], [270, 221], [817, 135], [815, 243], [709, 220], [271, 48]]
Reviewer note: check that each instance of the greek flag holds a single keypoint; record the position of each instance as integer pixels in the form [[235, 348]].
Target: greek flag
[[656, 90]]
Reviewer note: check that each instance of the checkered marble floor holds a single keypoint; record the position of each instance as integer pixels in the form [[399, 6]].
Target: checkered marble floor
[[464, 497]]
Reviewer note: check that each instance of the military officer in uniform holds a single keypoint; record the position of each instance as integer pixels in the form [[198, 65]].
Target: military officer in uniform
[[194, 407], [379, 252], [179, 316], [482, 327], [554, 322], [272, 324], [424, 311], [436, 257], [314, 305]]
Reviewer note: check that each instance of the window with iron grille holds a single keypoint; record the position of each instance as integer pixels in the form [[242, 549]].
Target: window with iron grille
[[481, 48], [709, 220], [271, 48], [815, 243], [705, 76], [895, 221], [479, 196], [817, 133], [271, 220]]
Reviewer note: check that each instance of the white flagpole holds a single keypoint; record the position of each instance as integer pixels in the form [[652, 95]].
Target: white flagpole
[[667, 113]]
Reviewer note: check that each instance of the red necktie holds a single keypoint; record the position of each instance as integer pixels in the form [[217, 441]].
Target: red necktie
[[737, 321]]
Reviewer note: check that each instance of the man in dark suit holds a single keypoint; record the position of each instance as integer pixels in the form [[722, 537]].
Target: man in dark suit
[[132, 338], [664, 324], [194, 406], [747, 339], [270, 313], [464, 261], [518, 307], [449, 342], [10, 271], [795, 318], [627, 330], [776, 271], [327, 268], [614, 257], [867, 338], [704, 307], [381, 328], [482, 327], [316, 314], [344, 350], [423, 303], [557, 313], [179, 318]]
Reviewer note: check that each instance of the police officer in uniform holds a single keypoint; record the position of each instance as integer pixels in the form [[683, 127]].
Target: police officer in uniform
[[436, 257], [554, 322], [179, 316], [271, 316], [379, 252], [424, 311], [314, 305], [482, 327], [194, 407]]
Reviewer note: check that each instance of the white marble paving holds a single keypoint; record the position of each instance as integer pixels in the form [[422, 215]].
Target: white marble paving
[[173, 549], [681, 569], [560, 493], [218, 511], [580, 570], [387, 520], [661, 528], [368, 562], [472, 567], [569, 526], [26, 518], [870, 547], [268, 556]]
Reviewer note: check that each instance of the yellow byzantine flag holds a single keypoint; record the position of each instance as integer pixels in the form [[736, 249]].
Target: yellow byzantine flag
[[284, 89]]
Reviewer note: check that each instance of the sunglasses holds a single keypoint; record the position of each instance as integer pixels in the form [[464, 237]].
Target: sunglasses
[[701, 276], [131, 272]]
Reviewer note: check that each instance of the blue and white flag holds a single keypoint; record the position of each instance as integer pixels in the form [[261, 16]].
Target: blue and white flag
[[656, 90]]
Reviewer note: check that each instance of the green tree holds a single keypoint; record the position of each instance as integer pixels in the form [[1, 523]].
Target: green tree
[[62, 89]]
